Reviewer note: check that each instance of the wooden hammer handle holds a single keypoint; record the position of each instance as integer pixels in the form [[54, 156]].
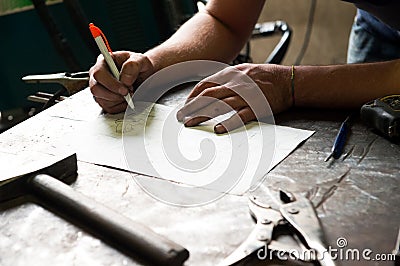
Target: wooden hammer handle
[[132, 238]]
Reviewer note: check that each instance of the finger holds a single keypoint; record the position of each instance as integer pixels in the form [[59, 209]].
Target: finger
[[101, 92], [205, 98], [135, 68], [194, 121], [215, 109], [199, 88], [235, 121], [211, 90], [111, 107], [106, 103], [118, 108], [120, 57], [208, 82], [100, 73]]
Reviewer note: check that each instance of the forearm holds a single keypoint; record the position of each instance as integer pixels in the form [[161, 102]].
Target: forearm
[[218, 33], [200, 38], [345, 86]]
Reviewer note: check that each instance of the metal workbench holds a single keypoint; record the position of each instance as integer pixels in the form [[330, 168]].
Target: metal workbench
[[356, 198]]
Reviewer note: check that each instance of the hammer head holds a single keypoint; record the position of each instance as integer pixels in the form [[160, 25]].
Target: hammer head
[[65, 170]]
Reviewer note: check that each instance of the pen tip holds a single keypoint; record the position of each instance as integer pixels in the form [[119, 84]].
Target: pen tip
[[129, 100], [327, 158]]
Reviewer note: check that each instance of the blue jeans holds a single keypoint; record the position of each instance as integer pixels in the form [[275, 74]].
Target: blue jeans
[[365, 45]]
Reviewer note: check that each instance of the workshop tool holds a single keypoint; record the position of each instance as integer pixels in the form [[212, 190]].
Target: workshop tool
[[73, 82], [340, 140], [301, 221], [131, 238], [44, 97], [383, 114]]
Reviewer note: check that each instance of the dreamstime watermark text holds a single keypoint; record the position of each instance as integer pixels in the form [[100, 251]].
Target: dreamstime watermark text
[[340, 253]]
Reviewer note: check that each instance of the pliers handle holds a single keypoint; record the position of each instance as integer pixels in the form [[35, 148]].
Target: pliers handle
[[299, 213]]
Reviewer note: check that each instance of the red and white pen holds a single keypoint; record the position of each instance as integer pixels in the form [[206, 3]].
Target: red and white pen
[[105, 50]]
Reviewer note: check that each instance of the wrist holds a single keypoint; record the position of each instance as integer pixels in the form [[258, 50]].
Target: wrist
[[287, 81], [292, 76], [282, 79], [154, 59]]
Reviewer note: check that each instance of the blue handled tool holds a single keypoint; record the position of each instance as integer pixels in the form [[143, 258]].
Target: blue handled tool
[[340, 140]]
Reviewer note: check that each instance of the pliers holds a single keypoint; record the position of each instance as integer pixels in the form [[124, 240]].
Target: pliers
[[73, 82], [298, 216]]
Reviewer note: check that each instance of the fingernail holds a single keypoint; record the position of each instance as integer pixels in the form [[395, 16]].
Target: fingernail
[[123, 91], [219, 129], [188, 121], [179, 116]]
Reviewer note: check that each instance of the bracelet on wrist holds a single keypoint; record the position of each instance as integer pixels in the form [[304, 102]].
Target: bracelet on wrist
[[292, 85]]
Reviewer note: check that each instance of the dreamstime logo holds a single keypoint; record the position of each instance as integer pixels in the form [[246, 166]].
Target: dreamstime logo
[[193, 167], [341, 242]]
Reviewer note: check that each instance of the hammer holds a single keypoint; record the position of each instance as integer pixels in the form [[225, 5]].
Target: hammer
[[49, 185]]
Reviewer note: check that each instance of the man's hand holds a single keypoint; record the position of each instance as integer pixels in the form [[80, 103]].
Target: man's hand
[[108, 92], [272, 83]]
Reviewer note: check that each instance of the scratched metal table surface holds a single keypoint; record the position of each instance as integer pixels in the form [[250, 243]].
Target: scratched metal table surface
[[356, 199]]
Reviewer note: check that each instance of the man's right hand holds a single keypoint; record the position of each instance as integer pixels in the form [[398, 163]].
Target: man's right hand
[[108, 92]]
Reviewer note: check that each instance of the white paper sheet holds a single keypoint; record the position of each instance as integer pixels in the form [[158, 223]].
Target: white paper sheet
[[162, 147]]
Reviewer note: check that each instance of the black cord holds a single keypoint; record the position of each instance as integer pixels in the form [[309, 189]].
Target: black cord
[[54, 98], [307, 36], [59, 41], [81, 23]]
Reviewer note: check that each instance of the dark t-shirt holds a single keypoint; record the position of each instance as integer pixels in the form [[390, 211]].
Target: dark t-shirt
[[380, 17]]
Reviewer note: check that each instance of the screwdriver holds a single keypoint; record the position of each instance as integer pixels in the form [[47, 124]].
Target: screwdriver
[[340, 140]]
